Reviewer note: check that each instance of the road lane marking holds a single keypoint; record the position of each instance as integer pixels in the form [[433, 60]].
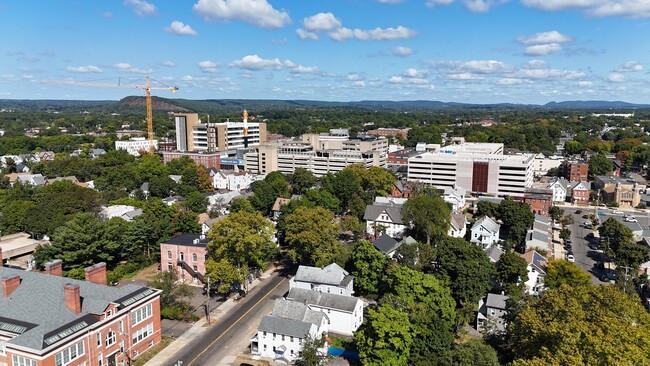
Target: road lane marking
[[235, 323]]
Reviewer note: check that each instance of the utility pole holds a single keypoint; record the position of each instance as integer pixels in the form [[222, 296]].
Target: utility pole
[[625, 284], [207, 306]]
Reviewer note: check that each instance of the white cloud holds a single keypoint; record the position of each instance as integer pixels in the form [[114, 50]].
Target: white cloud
[[509, 81], [255, 12], [208, 66], [169, 64], [414, 73], [125, 66], [630, 66], [542, 49], [304, 35], [484, 66], [299, 69], [359, 84], [354, 77], [401, 51], [187, 78], [377, 34], [544, 38], [321, 22], [332, 26], [478, 6], [432, 3], [596, 8], [536, 64], [585, 84], [83, 69], [122, 66], [255, 62], [181, 29], [465, 76], [552, 74], [406, 80], [390, 1], [616, 77], [141, 7]]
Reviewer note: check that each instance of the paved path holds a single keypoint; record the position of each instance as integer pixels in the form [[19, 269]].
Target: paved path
[[236, 321]]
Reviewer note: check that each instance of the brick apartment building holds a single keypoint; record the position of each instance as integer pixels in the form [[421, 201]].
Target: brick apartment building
[[187, 252], [540, 200], [50, 320], [575, 171], [403, 133], [207, 159]]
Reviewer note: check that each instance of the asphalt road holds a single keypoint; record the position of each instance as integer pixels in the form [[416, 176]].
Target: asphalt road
[[586, 257], [236, 326]]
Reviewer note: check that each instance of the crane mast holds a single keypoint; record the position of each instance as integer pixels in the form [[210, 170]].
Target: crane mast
[[146, 87]]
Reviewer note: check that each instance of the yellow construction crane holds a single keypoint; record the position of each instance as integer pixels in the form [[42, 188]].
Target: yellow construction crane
[[146, 87]]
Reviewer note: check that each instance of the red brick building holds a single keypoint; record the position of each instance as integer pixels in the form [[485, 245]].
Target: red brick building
[[48, 320], [207, 159], [539, 200], [186, 253], [575, 171]]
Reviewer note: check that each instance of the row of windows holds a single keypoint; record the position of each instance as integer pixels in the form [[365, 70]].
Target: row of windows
[[182, 256], [22, 361], [70, 354], [291, 338], [142, 333], [141, 314]]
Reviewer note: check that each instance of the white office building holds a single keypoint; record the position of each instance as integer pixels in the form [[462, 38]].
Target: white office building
[[136, 145], [193, 134], [477, 168]]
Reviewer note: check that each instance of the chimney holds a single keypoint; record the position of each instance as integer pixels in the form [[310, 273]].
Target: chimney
[[96, 273], [9, 284], [54, 268], [72, 297]]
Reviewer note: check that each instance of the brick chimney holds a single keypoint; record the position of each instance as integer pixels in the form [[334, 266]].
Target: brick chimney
[[96, 273], [9, 284], [54, 268], [72, 297]]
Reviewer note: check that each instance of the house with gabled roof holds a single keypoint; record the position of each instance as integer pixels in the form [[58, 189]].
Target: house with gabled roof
[[536, 268], [485, 232], [282, 334], [331, 279], [457, 225], [491, 312], [47, 319], [344, 313], [580, 192], [385, 215], [561, 189]]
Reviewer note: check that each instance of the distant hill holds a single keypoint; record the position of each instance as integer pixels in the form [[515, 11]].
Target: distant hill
[[593, 104], [135, 103]]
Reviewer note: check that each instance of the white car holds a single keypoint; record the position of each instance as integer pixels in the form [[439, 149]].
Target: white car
[[570, 258], [617, 212], [630, 219]]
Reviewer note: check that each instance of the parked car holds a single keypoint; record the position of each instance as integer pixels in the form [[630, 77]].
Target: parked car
[[570, 258], [587, 224], [617, 212], [578, 211], [585, 216], [630, 219]]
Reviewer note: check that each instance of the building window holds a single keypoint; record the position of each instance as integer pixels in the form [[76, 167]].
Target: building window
[[141, 314], [142, 333], [135, 353], [194, 257], [22, 361], [169, 254], [110, 338], [120, 326], [99, 339], [195, 268], [100, 360], [291, 339], [182, 257], [264, 334], [69, 354], [169, 267], [283, 338]]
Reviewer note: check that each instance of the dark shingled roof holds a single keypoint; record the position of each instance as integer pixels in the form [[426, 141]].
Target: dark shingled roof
[[385, 244], [188, 239], [323, 300]]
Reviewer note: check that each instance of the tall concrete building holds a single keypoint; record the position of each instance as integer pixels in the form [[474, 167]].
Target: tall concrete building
[[476, 167], [192, 134], [318, 153]]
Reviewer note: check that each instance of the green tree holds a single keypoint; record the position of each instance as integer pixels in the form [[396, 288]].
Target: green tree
[[556, 213], [268, 190], [150, 166], [204, 182], [367, 267], [565, 233], [487, 208], [323, 199], [173, 292], [600, 165], [310, 235], [429, 216], [14, 216], [511, 270], [241, 204], [385, 338], [345, 184], [162, 186], [471, 353], [466, 268], [178, 166], [311, 353], [582, 325], [517, 218], [196, 202], [560, 272], [301, 181], [573, 147], [224, 273]]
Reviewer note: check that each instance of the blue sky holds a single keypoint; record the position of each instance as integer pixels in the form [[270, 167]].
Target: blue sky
[[475, 51]]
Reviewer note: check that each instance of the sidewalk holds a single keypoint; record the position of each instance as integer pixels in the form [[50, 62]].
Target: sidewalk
[[164, 358]]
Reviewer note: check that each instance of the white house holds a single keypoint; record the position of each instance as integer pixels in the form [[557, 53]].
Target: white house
[[281, 334], [234, 181], [455, 196], [560, 188], [491, 310], [385, 213], [535, 282], [345, 313], [457, 225], [128, 213], [33, 179], [485, 232], [331, 279]]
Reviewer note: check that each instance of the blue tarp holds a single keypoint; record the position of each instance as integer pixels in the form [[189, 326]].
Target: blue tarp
[[339, 352]]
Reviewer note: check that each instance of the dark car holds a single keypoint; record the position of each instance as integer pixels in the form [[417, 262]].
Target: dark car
[[578, 212], [585, 216]]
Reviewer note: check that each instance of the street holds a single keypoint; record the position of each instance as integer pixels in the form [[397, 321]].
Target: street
[[586, 257], [225, 340]]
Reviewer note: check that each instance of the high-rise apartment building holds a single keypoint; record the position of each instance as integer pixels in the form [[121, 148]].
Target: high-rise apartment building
[[192, 134]]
